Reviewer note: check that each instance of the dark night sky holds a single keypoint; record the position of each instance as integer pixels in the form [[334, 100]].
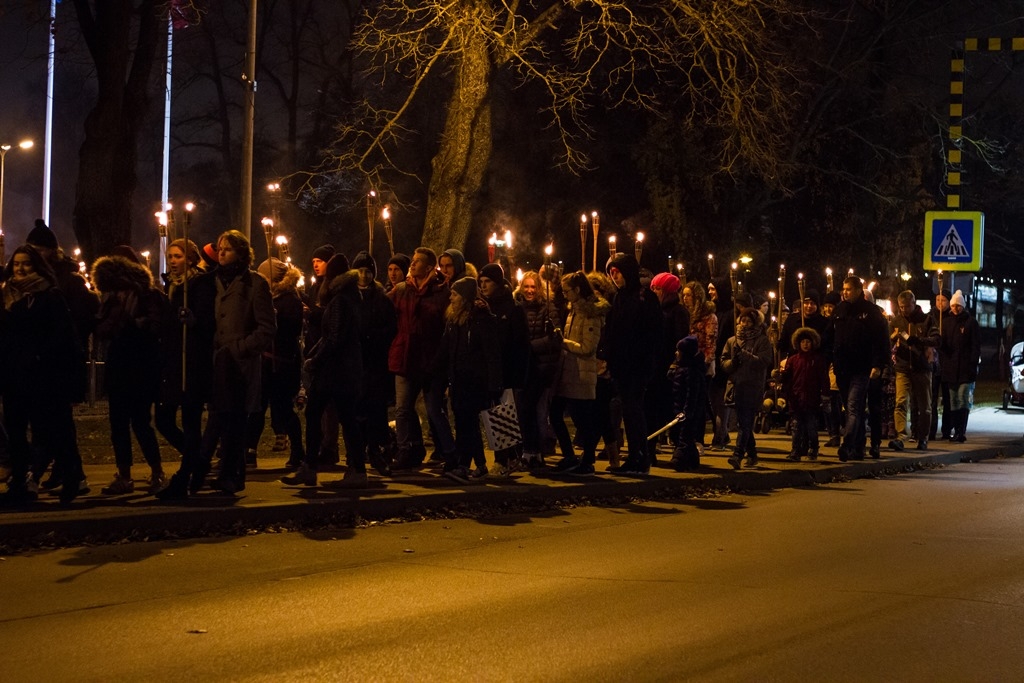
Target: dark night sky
[[23, 47]]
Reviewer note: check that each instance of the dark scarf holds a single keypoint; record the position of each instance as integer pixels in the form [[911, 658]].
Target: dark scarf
[[231, 271], [15, 290]]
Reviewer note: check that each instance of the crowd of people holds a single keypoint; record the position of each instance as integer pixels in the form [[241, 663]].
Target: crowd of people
[[623, 353]]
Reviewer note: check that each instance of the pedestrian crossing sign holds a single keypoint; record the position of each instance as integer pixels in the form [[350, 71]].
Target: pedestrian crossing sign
[[954, 240]]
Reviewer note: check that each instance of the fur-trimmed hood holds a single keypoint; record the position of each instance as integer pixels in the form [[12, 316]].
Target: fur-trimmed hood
[[348, 280], [289, 282], [806, 333], [118, 274]]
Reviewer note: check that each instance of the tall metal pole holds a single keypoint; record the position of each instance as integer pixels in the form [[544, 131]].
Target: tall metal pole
[[249, 117], [48, 135], [165, 171]]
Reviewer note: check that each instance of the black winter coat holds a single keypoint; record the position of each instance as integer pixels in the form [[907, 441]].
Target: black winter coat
[[545, 350], [513, 338], [378, 325], [198, 342], [960, 350], [859, 338], [128, 326], [336, 362], [41, 360], [632, 334]]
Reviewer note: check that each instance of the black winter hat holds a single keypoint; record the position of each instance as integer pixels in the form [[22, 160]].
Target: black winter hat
[[364, 260], [336, 266], [627, 265], [324, 252], [466, 288], [493, 271], [42, 236], [833, 298], [813, 295], [402, 261]]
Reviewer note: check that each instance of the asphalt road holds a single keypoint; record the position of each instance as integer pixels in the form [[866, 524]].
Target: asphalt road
[[912, 578]]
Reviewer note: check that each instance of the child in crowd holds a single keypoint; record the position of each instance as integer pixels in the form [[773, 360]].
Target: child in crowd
[[805, 380], [689, 396]]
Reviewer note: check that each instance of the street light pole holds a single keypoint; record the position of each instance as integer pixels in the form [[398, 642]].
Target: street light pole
[[4, 149]]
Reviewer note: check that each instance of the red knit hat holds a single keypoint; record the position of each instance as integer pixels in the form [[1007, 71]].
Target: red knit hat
[[667, 282]]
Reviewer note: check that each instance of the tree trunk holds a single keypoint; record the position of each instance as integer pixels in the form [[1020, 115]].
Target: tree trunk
[[107, 157], [461, 162]]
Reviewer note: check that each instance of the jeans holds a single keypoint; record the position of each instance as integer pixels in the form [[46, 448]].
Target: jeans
[[854, 390], [913, 388], [805, 434], [631, 391], [408, 431]]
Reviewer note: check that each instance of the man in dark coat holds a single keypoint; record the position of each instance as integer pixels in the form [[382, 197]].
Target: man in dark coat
[[244, 321], [859, 344], [629, 345]]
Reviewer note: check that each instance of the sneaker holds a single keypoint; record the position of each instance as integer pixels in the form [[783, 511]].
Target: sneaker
[[51, 482], [406, 461], [478, 472], [631, 466], [459, 475], [794, 457], [566, 463], [176, 489], [74, 488], [351, 480], [281, 444], [896, 445], [922, 445], [118, 487], [735, 461], [500, 471], [534, 461], [581, 470], [304, 476], [875, 452], [156, 482], [751, 461], [227, 485], [379, 461]]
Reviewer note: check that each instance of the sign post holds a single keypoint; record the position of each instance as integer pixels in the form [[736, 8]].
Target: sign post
[[954, 240]]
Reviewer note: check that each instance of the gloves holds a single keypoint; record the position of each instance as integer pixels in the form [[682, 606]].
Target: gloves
[[186, 317]]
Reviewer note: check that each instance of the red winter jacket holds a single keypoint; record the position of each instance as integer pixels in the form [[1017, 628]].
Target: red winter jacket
[[420, 314]]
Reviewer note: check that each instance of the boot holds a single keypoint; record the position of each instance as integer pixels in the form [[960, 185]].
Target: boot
[[176, 489], [961, 433]]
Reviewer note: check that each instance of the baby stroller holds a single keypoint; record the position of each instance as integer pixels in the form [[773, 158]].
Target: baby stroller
[[1014, 394], [773, 407]]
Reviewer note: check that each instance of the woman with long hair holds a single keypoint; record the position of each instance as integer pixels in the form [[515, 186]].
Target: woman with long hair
[[42, 371], [186, 346], [576, 383], [470, 357]]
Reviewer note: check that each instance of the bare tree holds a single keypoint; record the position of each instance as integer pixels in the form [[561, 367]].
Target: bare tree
[[123, 38], [578, 53]]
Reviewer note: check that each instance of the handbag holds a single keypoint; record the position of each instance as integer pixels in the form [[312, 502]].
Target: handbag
[[501, 423]]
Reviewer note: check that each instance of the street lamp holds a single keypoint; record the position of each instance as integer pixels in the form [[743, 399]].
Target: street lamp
[[4, 149]]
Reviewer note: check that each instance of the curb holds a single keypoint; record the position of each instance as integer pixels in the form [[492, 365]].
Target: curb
[[269, 505]]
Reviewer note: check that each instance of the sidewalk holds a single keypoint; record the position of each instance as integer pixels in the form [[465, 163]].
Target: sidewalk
[[266, 502]]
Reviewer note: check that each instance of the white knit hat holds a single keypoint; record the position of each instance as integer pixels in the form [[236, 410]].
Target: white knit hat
[[958, 299]]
